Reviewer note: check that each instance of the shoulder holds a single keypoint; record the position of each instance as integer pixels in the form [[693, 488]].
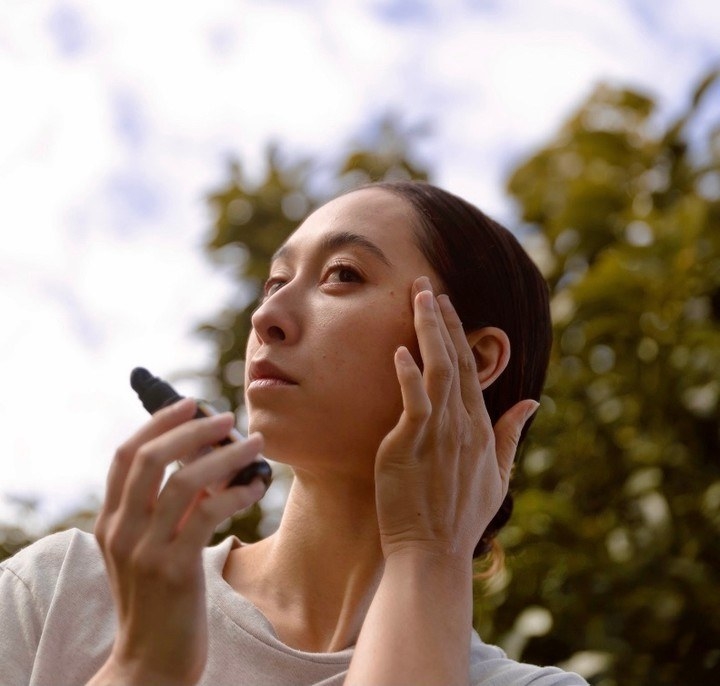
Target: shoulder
[[55, 601], [490, 665], [40, 565], [52, 551]]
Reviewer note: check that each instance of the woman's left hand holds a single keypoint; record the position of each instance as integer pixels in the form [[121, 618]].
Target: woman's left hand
[[442, 472]]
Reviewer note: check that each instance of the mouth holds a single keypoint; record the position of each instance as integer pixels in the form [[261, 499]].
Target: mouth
[[265, 373]]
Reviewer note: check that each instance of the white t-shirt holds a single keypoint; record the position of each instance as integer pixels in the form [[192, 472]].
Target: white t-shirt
[[57, 626]]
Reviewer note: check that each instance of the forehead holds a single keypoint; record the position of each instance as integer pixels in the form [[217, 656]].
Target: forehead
[[381, 217]]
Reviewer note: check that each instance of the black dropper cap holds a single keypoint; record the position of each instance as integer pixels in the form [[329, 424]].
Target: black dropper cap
[[153, 392]]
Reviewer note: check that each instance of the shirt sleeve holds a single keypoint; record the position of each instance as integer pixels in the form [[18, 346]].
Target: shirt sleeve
[[490, 666], [20, 629]]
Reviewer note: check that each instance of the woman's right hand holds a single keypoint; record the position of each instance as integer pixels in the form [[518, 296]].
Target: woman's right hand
[[152, 537]]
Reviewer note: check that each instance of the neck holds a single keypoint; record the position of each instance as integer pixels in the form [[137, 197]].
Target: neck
[[315, 577]]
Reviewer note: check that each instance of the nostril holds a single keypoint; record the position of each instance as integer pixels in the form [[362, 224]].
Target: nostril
[[276, 333]]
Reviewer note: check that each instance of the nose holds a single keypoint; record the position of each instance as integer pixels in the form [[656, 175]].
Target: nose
[[275, 320]]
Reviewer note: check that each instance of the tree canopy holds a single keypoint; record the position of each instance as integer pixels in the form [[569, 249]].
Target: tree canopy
[[613, 561], [613, 548]]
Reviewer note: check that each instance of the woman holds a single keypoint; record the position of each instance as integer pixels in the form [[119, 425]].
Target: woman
[[399, 410]]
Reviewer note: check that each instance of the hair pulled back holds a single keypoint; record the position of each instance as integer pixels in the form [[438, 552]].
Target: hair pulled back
[[491, 281]]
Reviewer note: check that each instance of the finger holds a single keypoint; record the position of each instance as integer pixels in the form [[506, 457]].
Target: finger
[[438, 370], [152, 458], [209, 512], [416, 404], [507, 435], [162, 421], [423, 283], [450, 348], [470, 387], [410, 428], [184, 487]]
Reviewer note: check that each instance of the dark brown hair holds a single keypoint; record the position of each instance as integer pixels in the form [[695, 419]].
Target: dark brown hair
[[492, 281]]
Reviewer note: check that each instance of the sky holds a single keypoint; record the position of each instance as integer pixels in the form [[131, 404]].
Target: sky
[[117, 120]]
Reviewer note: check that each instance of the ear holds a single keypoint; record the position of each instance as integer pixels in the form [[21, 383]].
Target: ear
[[491, 348]]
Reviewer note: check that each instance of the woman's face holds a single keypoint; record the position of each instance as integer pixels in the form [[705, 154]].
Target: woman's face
[[320, 380]]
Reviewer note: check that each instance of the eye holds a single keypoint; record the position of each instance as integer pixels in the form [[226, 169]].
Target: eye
[[343, 273], [272, 285]]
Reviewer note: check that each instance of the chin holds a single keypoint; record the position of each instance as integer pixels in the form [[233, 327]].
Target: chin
[[317, 437]]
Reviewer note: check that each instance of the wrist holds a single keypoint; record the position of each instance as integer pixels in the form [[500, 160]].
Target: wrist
[[430, 587], [430, 554], [430, 562]]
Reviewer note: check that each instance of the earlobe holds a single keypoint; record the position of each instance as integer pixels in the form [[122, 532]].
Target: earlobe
[[491, 348]]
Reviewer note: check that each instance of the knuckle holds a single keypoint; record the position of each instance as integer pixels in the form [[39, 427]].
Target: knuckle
[[147, 564], [428, 318], [101, 525], [148, 457], [465, 442], [451, 349], [420, 412], [117, 545], [205, 510], [124, 454], [181, 484], [487, 443], [466, 364], [442, 372], [99, 531]]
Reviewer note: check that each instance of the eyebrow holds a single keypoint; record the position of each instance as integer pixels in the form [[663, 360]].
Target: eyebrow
[[335, 241]]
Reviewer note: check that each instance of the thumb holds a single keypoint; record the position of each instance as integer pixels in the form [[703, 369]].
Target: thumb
[[507, 433]]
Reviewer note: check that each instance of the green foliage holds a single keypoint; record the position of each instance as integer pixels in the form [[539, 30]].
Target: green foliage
[[614, 542]]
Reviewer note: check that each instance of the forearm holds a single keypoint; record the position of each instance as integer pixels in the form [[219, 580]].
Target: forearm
[[417, 630]]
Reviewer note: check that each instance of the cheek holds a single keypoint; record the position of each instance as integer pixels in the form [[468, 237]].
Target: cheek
[[250, 348], [363, 353]]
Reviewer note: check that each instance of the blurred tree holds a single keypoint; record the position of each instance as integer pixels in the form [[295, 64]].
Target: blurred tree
[[14, 536], [252, 219], [614, 552], [21, 531]]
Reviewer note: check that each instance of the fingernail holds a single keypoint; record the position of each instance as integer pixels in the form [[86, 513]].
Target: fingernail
[[183, 404], [255, 439], [404, 357], [222, 417], [425, 298], [531, 410], [425, 284], [259, 487]]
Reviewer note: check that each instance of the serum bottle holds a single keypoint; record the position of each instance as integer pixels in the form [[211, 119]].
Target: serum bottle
[[154, 393]]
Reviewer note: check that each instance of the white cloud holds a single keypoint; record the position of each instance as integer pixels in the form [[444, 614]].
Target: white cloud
[[121, 116]]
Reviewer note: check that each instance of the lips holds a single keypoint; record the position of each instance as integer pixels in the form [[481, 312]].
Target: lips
[[263, 370]]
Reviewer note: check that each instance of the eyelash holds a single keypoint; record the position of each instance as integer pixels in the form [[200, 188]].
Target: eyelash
[[275, 283], [337, 267]]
